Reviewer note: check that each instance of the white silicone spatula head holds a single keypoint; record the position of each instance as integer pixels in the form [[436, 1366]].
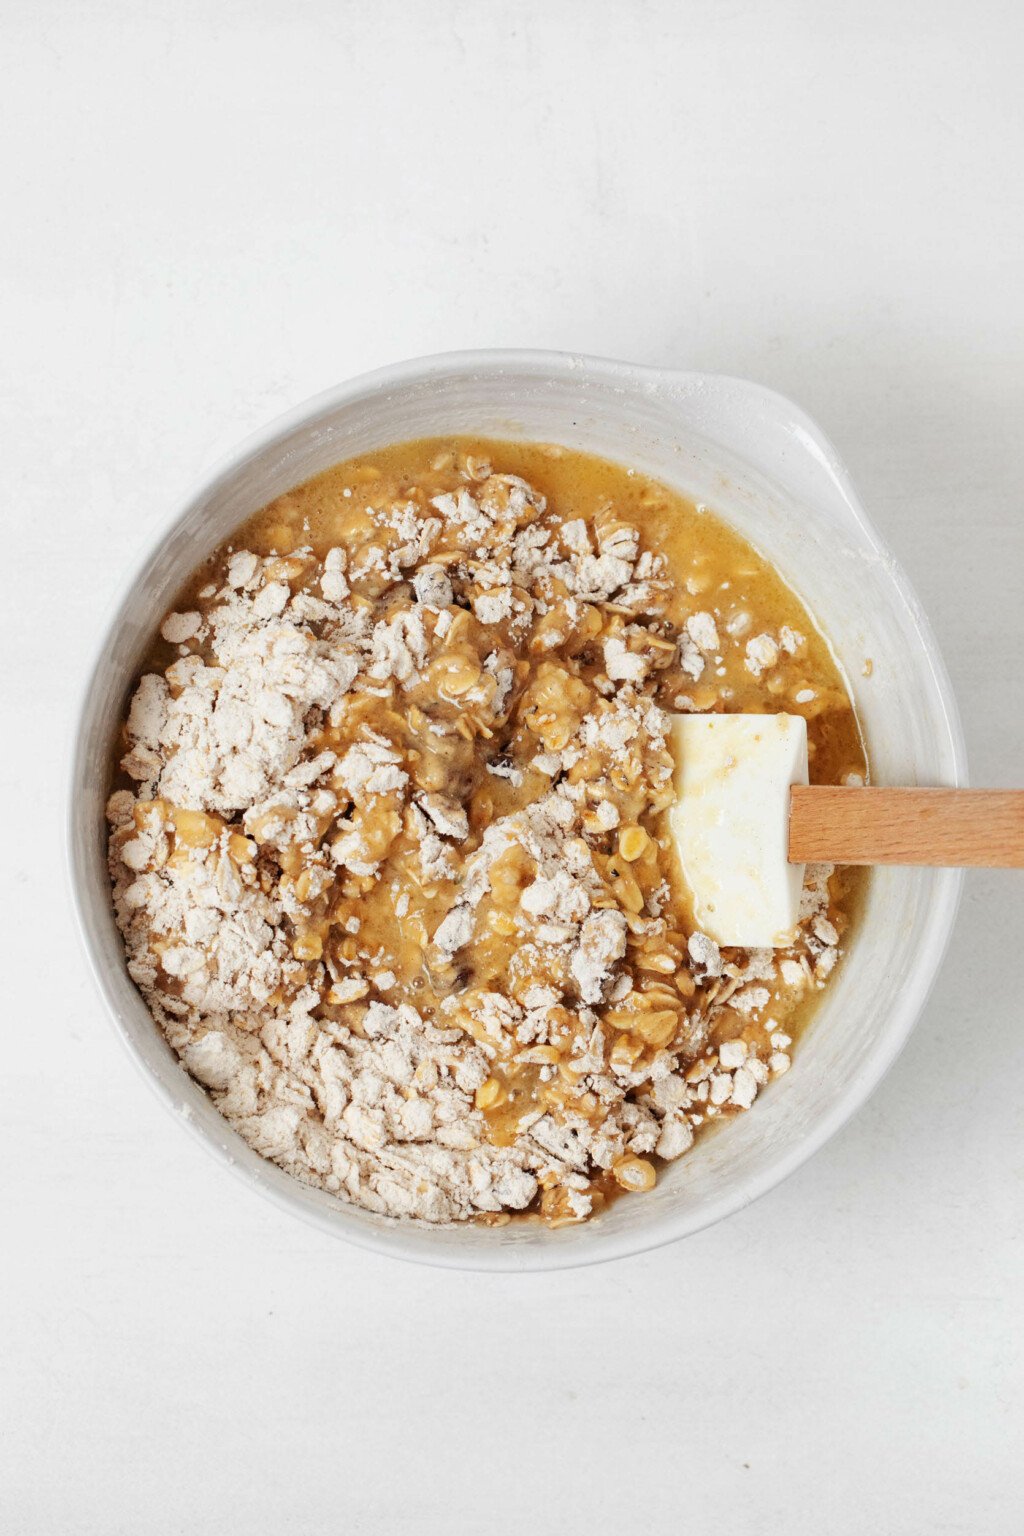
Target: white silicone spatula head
[[730, 823]]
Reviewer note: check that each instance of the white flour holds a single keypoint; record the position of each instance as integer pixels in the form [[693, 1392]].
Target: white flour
[[321, 1060]]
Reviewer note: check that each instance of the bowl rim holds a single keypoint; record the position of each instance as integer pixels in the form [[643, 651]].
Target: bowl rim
[[392, 1241]]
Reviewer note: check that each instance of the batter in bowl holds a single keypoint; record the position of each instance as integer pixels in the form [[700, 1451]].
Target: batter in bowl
[[388, 840]]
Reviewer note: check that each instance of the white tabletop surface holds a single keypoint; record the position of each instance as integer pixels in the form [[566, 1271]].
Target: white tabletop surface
[[212, 209]]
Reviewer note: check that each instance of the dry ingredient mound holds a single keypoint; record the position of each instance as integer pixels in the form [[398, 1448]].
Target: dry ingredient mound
[[387, 856]]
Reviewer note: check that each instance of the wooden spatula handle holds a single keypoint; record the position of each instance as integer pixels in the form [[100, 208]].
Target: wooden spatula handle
[[906, 826]]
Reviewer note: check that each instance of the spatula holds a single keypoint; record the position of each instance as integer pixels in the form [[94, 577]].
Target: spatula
[[746, 821]]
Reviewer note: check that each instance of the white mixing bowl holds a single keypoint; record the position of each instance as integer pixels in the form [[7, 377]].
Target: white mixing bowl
[[759, 461]]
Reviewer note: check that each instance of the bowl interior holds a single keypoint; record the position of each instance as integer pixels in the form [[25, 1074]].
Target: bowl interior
[[755, 459]]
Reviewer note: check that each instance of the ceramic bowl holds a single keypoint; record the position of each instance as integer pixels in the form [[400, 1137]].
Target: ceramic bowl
[[761, 463]]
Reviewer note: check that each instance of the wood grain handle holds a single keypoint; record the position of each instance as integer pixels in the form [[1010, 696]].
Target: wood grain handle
[[906, 826]]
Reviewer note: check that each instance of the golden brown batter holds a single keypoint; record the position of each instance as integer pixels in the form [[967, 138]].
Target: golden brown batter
[[464, 820]]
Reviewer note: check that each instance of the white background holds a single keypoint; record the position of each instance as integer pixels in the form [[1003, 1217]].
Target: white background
[[212, 208]]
